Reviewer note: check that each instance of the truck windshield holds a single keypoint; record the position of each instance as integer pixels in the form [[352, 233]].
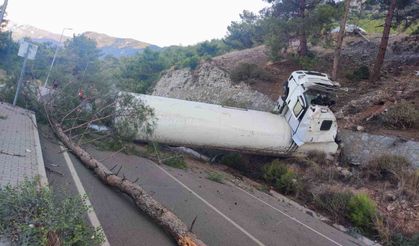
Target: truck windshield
[[317, 97]]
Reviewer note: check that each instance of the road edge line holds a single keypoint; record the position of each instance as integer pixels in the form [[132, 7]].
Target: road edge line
[[253, 238], [289, 216], [91, 214]]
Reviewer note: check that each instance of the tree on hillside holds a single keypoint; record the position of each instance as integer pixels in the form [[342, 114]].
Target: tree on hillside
[[246, 33], [392, 7], [302, 20], [340, 39]]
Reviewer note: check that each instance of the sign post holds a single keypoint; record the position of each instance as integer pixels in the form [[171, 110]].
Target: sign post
[[27, 50]]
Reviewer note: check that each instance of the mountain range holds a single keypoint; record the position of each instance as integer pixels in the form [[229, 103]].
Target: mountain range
[[113, 46]]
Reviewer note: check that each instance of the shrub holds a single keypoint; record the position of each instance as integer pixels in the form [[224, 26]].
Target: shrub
[[401, 240], [272, 172], [389, 167], [232, 159], [362, 212], [317, 156], [248, 73], [287, 183], [176, 161], [29, 215], [280, 176], [402, 115], [360, 73], [334, 203], [216, 177]]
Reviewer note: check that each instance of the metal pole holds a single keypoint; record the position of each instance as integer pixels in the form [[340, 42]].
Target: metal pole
[[22, 74], [55, 55], [3, 10]]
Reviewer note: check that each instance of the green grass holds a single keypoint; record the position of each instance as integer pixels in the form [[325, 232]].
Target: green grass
[[216, 177], [176, 161]]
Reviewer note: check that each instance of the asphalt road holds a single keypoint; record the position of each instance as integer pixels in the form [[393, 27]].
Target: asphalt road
[[226, 214]]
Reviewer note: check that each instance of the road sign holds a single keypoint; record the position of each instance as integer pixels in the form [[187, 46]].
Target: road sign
[[27, 47]]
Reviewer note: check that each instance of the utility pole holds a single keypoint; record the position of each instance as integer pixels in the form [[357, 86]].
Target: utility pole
[[55, 55], [3, 11]]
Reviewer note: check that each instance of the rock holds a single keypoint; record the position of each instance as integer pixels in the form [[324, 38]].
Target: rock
[[391, 207], [360, 128], [390, 196]]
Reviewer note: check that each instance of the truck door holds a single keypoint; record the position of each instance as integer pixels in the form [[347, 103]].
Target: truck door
[[297, 109]]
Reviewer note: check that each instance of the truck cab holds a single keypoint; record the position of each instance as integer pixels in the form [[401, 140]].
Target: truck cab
[[305, 104]]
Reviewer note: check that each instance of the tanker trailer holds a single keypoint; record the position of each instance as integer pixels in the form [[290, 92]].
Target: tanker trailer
[[301, 121]]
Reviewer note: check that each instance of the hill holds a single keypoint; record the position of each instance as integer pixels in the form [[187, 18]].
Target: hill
[[109, 45]]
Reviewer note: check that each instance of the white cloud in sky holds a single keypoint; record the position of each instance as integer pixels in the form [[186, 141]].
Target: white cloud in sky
[[163, 22]]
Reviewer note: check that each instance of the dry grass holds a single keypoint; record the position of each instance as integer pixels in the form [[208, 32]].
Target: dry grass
[[402, 115]]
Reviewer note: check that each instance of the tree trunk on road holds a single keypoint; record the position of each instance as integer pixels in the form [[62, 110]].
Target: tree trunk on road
[[384, 42], [163, 216], [340, 40]]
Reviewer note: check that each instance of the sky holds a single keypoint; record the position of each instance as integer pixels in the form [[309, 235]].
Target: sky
[[163, 22]]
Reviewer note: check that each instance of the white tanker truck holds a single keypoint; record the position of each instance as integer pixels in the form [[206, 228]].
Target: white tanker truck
[[301, 121]]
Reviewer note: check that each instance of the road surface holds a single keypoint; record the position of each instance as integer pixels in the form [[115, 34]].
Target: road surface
[[226, 214]]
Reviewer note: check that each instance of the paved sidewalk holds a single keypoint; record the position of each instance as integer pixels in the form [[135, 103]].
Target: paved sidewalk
[[20, 149]]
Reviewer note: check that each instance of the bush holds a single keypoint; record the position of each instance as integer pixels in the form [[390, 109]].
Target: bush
[[361, 73], [249, 73], [388, 167], [402, 115], [216, 177], [281, 177], [29, 215], [318, 157], [272, 172], [334, 203], [176, 161], [232, 159], [362, 212], [401, 240]]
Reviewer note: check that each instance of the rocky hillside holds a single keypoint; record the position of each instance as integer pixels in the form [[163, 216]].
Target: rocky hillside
[[117, 47], [211, 82]]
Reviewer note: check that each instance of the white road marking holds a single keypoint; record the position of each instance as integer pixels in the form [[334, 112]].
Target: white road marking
[[212, 207], [91, 213], [289, 216]]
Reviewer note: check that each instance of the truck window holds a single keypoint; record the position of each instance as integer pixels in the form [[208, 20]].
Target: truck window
[[298, 108]]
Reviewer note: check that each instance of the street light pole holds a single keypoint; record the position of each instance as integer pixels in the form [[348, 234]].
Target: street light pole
[[55, 55]]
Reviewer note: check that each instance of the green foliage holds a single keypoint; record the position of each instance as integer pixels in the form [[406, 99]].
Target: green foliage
[[362, 212], [28, 214], [176, 161], [334, 203], [249, 73], [361, 73], [402, 115], [9, 60], [246, 33], [279, 175], [216, 177], [232, 159], [272, 172], [284, 24], [308, 62], [401, 240]]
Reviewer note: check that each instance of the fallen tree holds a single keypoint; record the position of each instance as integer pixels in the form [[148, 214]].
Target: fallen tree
[[70, 118], [163, 216]]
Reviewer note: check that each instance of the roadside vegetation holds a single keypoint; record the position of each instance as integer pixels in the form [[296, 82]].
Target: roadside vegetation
[[376, 199], [30, 215]]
